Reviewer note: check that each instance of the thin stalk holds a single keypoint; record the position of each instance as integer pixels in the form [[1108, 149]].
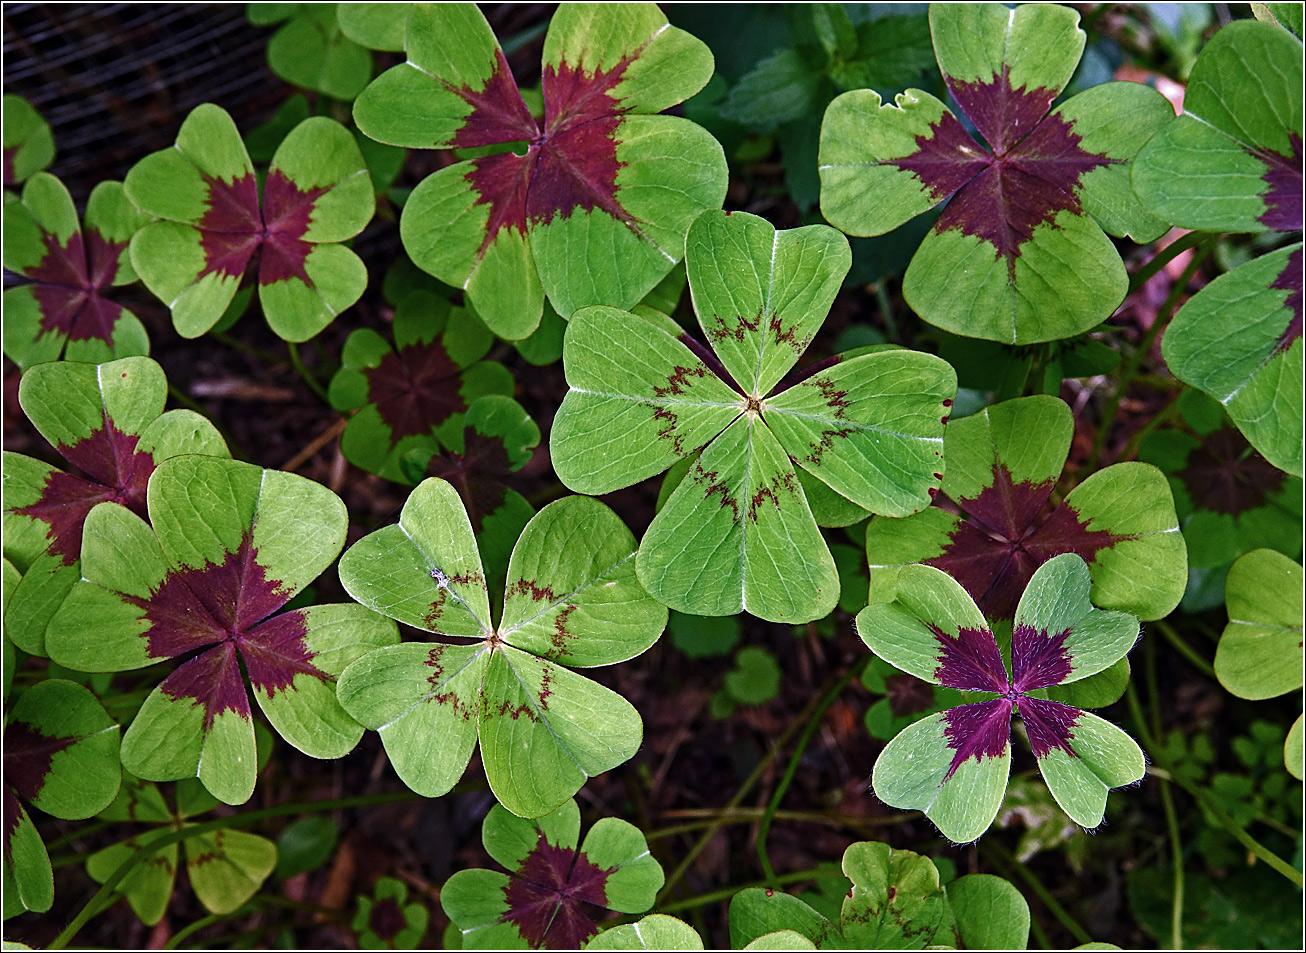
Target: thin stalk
[[1063, 916], [1142, 433], [1166, 255], [725, 893], [1171, 818], [1184, 649], [1040, 935], [174, 943], [223, 338], [298, 363], [1167, 772], [886, 308], [683, 867], [1135, 361], [104, 897], [813, 722]]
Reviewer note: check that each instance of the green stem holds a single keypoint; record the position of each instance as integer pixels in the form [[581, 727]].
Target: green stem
[[191, 929], [725, 893], [103, 897], [1184, 649], [1177, 850], [1142, 433], [1166, 255], [1277, 863], [227, 340], [750, 815], [813, 722], [886, 308], [308, 378], [1040, 935], [1140, 353], [1010, 863], [683, 867]]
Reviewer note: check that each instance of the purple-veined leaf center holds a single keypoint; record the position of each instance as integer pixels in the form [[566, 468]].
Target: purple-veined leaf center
[[387, 919], [235, 226], [971, 661], [994, 552], [68, 285], [28, 755], [415, 389], [117, 473], [1283, 201], [477, 474], [1290, 280], [549, 896], [1032, 173], [569, 164], [1225, 475], [216, 616]]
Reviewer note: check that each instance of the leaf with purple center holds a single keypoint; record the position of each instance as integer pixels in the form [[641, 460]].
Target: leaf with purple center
[[554, 890], [738, 531], [602, 168], [108, 422], [27, 140], [1020, 253], [995, 524], [386, 920], [572, 598], [1229, 499], [218, 219], [232, 543], [310, 49], [954, 765], [1233, 161], [1260, 651], [60, 755], [414, 395], [226, 867], [62, 309], [1239, 340]]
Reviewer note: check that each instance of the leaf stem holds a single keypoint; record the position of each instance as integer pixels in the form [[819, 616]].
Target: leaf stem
[[1167, 804], [683, 867], [103, 898], [1184, 649], [1209, 803], [1166, 255], [1142, 433], [813, 722], [298, 363], [702, 900], [1009, 863], [1140, 353], [886, 309]]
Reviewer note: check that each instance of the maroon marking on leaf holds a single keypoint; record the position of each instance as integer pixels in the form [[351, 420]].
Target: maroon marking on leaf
[[996, 550], [970, 660], [780, 483], [501, 182], [560, 637], [670, 421], [678, 379], [1032, 173], [710, 359], [28, 754], [477, 474], [498, 112], [68, 284], [119, 473], [978, 731], [10, 177], [1038, 659], [787, 336], [577, 171], [532, 588], [824, 443], [450, 698], [907, 694], [231, 228], [1048, 725], [415, 389], [1225, 475], [1290, 280], [387, 919], [1283, 201], [742, 328], [287, 210], [216, 610], [549, 896], [714, 485]]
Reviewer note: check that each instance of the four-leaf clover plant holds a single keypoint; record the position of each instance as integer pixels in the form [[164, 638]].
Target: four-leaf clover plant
[[738, 532], [571, 599], [954, 765]]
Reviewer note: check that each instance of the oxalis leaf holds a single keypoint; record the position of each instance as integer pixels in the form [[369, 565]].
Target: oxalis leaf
[[317, 193], [226, 867], [602, 171], [896, 903], [311, 50], [232, 543], [28, 142], [63, 312], [1233, 161], [571, 599], [386, 920], [1019, 254], [60, 755], [954, 765], [1260, 651], [1003, 464], [1239, 340], [108, 422], [553, 890], [413, 395], [737, 532]]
